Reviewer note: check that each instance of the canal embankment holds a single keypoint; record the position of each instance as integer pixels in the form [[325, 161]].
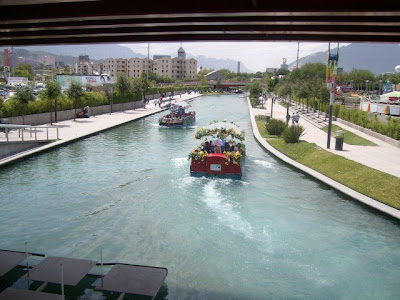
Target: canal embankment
[[319, 176], [71, 130]]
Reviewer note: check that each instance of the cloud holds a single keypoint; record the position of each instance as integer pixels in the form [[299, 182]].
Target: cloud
[[256, 56]]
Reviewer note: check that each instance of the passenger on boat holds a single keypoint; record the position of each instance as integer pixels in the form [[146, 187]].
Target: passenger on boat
[[207, 147], [237, 148], [217, 145], [227, 147]]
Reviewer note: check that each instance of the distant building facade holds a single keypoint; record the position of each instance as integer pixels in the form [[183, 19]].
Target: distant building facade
[[214, 75], [163, 65], [271, 70], [47, 60]]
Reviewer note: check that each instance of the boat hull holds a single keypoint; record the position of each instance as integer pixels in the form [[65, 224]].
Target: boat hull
[[177, 122], [215, 165]]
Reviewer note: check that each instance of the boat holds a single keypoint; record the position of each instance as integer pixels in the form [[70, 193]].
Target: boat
[[178, 117], [212, 157]]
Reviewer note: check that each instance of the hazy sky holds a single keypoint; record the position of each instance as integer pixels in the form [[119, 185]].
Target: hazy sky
[[256, 56]]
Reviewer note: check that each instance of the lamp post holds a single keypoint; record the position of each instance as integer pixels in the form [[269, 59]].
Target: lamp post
[[55, 110], [272, 105], [287, 112], [380, 87]]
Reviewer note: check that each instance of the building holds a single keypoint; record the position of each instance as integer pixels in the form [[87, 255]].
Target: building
[[137, 66], [46, 59], [115, 66], [214, 75], [163, 65], [284, 65], [271, 70]]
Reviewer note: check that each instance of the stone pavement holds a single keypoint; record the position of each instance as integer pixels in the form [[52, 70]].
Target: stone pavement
[[383, 157], [71, 130]]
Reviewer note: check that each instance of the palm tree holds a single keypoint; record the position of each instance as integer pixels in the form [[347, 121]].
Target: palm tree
[[75, 93], [24, 95]]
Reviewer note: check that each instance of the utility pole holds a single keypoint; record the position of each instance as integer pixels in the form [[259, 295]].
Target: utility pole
[[298, 46], [148, 61], [331, 80]]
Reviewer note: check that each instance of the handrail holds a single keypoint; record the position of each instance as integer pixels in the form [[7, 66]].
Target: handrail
[[21, 128]]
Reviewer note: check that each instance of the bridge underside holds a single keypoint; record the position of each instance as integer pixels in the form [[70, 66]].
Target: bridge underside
[[34, 22]]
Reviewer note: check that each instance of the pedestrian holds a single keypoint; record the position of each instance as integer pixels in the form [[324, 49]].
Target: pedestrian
[[297, 118], [293, 118], [155, 103]]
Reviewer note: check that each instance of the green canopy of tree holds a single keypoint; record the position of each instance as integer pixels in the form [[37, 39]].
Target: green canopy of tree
[[24, 70], [75, 93], [24, 95]]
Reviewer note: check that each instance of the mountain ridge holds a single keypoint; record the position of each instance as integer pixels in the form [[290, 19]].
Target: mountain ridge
[[378, 58], [69, 55]]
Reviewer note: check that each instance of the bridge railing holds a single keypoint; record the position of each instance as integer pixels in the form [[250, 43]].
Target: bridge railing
[[28, 133]]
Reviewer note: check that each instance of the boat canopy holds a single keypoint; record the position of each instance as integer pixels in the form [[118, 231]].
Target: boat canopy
[[223, 129]]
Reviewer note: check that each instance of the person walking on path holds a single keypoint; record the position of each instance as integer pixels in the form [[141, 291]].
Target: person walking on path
[[296, 118]]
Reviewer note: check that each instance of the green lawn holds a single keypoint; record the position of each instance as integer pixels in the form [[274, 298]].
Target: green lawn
[[349, 137], [378, 185]]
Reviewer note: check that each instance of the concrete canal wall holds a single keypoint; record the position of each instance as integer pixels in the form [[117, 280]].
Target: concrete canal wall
[[45, 118]]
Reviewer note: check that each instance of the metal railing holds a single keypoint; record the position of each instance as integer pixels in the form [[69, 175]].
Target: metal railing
[[33, 130]]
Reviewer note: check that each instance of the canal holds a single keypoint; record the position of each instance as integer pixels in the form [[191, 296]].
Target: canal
[[275, 234]]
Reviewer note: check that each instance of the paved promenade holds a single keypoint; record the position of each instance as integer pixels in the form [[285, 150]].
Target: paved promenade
[[71, 130], [383, 157]]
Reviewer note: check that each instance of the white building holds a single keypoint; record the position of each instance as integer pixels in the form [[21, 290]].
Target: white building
[[163, 65]]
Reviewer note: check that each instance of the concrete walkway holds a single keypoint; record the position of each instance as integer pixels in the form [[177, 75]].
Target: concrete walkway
[[72, 130], [383, 157]]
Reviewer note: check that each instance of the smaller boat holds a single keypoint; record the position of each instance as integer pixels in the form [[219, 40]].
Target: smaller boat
[[178, 117], [221, 152]]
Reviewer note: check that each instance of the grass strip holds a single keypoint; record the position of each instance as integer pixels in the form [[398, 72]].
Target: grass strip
[[375, 184], [350, 137]]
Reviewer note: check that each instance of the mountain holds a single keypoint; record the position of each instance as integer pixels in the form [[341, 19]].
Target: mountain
[[378, 58], [95, 52], [69, 55], [217, 64]]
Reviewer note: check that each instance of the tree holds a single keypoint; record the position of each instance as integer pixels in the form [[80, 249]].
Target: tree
[[24, 95], [75, 93], [52, 92], [255, 90], [24, 70]]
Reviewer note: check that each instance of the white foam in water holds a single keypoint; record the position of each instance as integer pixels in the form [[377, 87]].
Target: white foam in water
[[265, 164], [182, 183], [224, 210], [155, 124], [179, 162]]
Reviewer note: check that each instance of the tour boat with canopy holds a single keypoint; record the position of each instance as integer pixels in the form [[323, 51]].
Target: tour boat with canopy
[[178, 117], [221, 151]]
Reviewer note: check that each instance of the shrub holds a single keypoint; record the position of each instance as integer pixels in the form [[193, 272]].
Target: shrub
[[292, 134], [254, 101], [275, 126]]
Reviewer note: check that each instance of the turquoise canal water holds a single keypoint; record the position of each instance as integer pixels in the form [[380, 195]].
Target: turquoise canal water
[[275, 234]]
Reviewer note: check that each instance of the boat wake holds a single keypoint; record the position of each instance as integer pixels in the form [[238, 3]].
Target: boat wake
[[265, 164], [179, 162], [225, 211], [183, 183]]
